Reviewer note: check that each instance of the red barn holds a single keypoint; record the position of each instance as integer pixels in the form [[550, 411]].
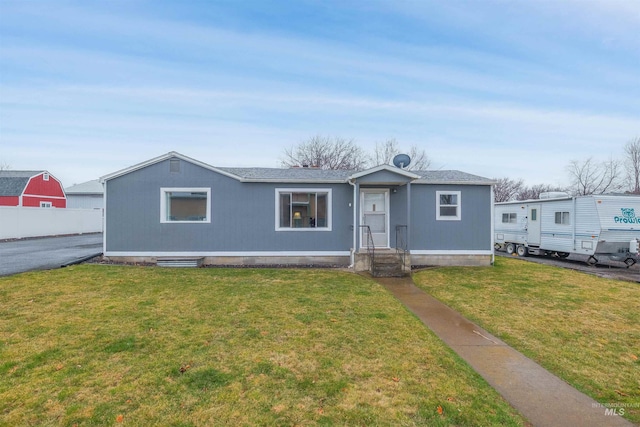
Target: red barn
[[31, 188]]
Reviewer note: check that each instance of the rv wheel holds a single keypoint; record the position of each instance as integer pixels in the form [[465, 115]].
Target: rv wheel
[[629, 262], [522, 251], [563, 254], [592, 260], [511, 248]]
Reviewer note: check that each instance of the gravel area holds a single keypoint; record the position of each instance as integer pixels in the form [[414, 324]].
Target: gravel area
[[604, 268]]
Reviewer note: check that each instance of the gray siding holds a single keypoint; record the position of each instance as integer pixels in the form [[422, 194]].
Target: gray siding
[[383, 176], [472, 232], [398, 211], [242, 215]]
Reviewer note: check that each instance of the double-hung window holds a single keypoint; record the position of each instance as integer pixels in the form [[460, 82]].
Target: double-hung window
[[448, 206], [303, 209], [185, 205]]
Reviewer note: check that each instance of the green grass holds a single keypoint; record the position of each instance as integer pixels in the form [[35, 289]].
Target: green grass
[[583, 328], [99, 345]]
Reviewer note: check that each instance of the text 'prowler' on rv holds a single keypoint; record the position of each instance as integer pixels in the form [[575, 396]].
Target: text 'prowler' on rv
[[558, 224]]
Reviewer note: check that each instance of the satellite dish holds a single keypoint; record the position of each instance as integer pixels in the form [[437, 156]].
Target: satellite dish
[[401, 161]]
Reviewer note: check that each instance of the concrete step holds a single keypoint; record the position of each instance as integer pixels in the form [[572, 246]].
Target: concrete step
[[388, 265]]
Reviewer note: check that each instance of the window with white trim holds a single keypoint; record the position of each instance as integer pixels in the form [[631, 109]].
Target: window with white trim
[[185, 205], [448, 206], [45, 177], [509, 218], [563, 218], [303, 209], [46, 205]]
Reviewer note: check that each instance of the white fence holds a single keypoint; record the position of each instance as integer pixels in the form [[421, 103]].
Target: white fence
[[20, 222]]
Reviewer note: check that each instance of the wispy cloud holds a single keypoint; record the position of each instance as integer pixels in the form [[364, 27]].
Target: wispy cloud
[[509, 82]]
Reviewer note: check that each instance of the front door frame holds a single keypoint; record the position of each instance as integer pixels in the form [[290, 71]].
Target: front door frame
[[363, 241]]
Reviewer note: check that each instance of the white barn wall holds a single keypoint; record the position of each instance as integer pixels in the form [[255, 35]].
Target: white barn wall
[[20, 222]]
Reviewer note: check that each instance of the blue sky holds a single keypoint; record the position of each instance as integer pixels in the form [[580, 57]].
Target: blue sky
[[495, 88]]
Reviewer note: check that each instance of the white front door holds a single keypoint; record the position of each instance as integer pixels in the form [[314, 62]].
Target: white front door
[[374, 212], [533, 225]]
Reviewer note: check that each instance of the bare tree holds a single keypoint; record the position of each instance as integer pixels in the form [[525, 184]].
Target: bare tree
[[507, 189], [533, 192], [4, 165], [632, 164], [384, 152], [591, 177], [387, 150], [326, 153], [419, 159]]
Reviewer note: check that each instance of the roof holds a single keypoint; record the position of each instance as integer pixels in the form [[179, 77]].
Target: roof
[[389, 168], [13, 183], [89, 187], [311, 175], [451, 177], [607, 196], [322, 175], [291, 174]]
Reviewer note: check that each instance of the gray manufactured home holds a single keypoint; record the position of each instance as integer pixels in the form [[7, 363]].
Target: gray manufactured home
[[173, 207]]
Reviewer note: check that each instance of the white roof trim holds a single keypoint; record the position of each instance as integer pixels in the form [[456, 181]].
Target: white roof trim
[[162, 158], [388, 168]]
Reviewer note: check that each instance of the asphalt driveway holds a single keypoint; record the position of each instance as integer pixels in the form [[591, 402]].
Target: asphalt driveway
[[46, 253]]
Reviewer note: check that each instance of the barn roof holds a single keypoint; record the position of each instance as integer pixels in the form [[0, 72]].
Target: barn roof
[[13, 183]]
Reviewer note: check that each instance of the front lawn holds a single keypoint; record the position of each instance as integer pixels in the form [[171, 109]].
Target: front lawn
[[109, 345], [583, 328]]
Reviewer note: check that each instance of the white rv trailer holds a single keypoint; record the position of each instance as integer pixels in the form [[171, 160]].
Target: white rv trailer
[[558, 224]]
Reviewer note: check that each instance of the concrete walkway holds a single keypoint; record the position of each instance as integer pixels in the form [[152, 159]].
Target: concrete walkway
[[542, 398]]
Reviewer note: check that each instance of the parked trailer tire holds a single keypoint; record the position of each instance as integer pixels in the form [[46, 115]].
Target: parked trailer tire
[[522, 250], [563, 254], [510, 248]]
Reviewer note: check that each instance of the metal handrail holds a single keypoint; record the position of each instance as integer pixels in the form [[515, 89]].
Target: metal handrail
[[371, 251]]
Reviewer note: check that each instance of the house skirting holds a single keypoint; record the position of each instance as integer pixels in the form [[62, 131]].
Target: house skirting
[[328, 259], [452, 258]]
